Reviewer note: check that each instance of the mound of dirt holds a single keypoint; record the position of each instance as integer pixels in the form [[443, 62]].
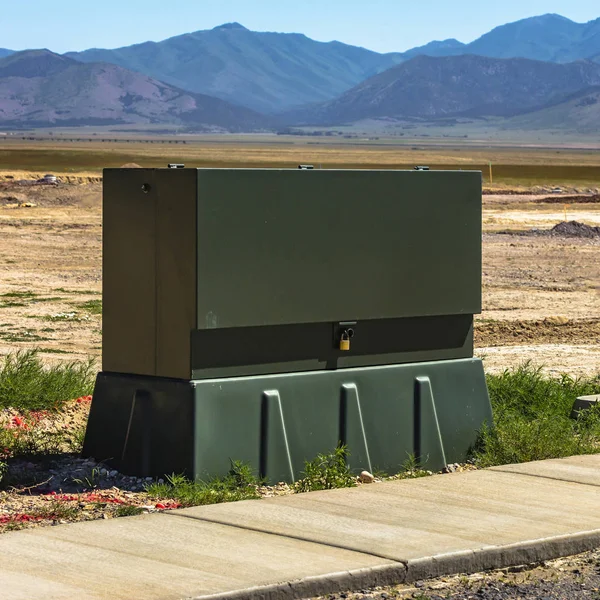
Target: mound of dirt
[[130, 166], [570, 229], [575, 229]]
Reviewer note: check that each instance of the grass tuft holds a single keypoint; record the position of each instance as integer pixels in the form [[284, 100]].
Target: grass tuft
[[24, 295], [26, 384], [532, 418], [90, 481], [56, 511], [412, 469], [32, 442], [128, 510], [239, 484], [80, 292], [326, 472], [93, 307]]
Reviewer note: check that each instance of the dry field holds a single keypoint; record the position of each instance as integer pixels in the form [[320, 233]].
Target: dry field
[[541, 293], [511, 167]]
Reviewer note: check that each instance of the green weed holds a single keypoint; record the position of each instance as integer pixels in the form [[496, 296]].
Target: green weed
[[66, 316], [56, 511], [326, 472], [25, 295], [532, 418], [48, 299], [412, 469], [79, 292], [22, 336], [92, 306], [89, 482], [128, 510], [32, 441], [26, 384], [239, 484], [75, 439]]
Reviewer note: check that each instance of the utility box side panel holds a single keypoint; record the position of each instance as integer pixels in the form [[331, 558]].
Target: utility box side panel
[[307, 246], [149, 271], [175, 271], [128, 272]]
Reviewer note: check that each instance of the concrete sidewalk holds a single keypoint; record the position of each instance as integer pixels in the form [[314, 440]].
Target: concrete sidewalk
[[309, 544]]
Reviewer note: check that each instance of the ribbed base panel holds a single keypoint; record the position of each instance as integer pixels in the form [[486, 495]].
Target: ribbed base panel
[[153, 426]]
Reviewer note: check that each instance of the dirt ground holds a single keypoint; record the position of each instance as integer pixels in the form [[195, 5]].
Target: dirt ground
[[570, 578], [541, 293]]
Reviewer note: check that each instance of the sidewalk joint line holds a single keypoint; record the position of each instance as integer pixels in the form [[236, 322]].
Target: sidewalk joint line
[[290, 536], [500, 470]]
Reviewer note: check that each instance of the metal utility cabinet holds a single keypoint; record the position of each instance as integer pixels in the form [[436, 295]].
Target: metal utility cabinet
[[267, 315]]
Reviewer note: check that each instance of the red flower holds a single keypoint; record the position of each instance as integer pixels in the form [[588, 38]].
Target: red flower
[[167, 505], [83, 399], [18, 518]]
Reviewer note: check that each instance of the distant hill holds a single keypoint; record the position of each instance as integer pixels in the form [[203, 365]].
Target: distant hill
[[466, 85], [449, 47], [548, 37], [578, 113], [265, 71], [4, 52], [40, 88]]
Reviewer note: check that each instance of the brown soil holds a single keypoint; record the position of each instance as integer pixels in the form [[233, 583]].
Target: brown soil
[[588, 199], [553, 330]]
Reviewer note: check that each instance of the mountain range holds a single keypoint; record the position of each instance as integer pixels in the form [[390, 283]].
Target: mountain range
[[40, 88], [466, 85], [223, 78], [273, 72], [268, 72], [548, 37]]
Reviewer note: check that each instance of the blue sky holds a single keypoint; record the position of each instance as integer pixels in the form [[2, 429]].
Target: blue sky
[[382, 25]]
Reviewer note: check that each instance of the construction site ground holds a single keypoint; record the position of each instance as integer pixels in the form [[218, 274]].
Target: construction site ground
[[541, 292]]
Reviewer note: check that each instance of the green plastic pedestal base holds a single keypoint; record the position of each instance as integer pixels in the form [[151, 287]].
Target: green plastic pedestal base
[[154, 426]]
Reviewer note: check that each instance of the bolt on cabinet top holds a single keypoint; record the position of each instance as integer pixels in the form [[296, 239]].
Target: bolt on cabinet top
[[243, 252]]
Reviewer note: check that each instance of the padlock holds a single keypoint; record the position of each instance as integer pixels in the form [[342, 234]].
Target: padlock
[[345, 342]]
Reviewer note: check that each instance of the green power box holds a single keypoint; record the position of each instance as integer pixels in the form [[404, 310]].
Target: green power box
[[267, 315]]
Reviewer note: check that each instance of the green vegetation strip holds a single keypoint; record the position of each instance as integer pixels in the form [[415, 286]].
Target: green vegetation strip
[[531, 422], [92, 306], [239, 484], [532, 418], [26, 384]]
